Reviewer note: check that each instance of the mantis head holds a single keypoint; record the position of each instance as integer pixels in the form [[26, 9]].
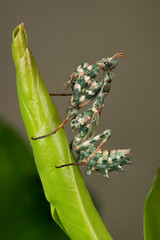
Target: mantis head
[[107, 64]]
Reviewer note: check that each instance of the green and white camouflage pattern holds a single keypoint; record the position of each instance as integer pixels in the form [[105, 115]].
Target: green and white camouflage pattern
[[105, 161], [84, 84], [85, 87]]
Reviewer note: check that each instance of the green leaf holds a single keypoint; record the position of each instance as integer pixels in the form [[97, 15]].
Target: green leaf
[[152, 211], [71, 205], [24, 212]]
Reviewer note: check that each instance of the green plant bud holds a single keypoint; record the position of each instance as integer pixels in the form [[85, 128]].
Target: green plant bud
[[71, 205]]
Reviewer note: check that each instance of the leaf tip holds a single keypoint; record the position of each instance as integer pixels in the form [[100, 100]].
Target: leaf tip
[[20, 30]]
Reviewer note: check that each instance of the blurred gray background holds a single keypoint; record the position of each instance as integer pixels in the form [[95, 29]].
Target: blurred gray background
[[62, 34]]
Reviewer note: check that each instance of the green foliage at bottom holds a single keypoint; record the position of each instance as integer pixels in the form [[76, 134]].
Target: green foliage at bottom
[[152, 211], [24, 212]]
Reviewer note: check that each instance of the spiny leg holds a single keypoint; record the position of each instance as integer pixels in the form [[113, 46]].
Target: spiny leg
[[61, 125]]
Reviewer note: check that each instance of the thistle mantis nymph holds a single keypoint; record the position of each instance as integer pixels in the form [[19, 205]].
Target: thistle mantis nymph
[[94, 158], [86, 87]]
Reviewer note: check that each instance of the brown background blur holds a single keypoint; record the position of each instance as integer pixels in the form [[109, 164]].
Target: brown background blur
[[62, 34]]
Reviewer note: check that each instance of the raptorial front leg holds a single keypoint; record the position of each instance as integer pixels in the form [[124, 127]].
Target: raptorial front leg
[[103, 136], [80, 71]]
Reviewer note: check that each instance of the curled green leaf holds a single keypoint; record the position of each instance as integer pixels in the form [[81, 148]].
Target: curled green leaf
[[71, 205]]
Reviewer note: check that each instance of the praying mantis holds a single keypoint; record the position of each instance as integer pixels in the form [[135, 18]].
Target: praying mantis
[[85, 88]]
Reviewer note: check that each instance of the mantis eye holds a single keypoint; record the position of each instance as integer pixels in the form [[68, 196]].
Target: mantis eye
[[108, 64]]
